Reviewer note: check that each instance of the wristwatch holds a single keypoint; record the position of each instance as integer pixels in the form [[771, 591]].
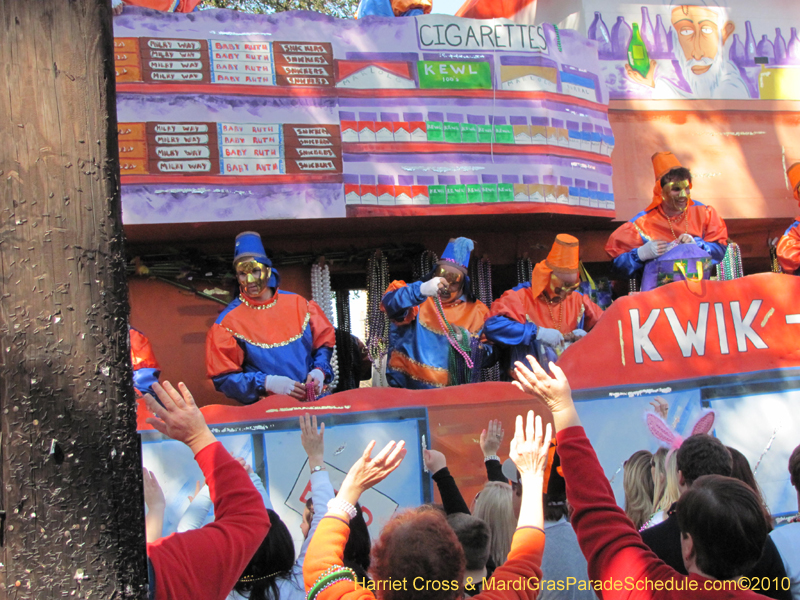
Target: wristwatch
[[317, 468]]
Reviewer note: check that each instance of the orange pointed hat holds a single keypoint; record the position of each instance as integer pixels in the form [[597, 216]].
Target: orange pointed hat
[[793, 173], [563, 258], [663, 163]]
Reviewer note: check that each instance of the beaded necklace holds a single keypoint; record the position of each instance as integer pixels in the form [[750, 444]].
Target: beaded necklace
[[678, 218], [556, 324], [774, 264], [731, 265], [483, 278], [456, 338], [377, 323], [524, 269], [322, 295]]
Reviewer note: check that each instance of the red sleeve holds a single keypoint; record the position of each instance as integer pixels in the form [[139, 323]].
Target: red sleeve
[[592, 313], [223, 353], [623, 240], [142, 356], [522, 565], [607, 537], [509, 305], [789, 250], [205, 563], [325, 550], [715, 229], [322, 332]]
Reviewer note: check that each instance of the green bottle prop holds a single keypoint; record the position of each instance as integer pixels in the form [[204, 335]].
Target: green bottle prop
[[638, 58]]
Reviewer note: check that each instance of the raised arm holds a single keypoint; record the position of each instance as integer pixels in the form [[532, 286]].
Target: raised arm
[[452, 500], [609, 540], [491, 438], [313, 440], [205, 563]]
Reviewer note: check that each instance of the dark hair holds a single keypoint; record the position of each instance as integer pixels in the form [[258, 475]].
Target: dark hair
[[555, 497], [419, 543], [741, 471], [726, 521], [359, 545], [794, 468], [676, 174], [310, 504], [274, 557], [474, 535], [702, 454]]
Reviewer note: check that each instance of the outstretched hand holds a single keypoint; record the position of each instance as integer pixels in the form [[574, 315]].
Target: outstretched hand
[[313, 439], [529, 447], [368, 471], [553, 391], [492, 437], [660, 407], [434, 460], [178, 416]]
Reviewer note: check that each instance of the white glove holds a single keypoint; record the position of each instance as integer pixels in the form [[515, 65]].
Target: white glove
[[278, 384], [650, 250], [431, 287], [319, 378], [549, 337], [686, 238], [578, 333]]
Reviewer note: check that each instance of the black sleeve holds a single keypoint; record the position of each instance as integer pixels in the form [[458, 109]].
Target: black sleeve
[[452, 500], [494, 471], [771, 566]]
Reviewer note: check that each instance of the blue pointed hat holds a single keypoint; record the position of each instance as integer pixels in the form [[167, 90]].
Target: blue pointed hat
[[249, 246], [457, 253]]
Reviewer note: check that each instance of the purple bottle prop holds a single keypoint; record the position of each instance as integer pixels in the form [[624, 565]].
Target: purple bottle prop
[[663, 45], [792, 50], [765, 48], [750, 51], [780, 47], [646, 31], [599, 32], [621, 34], [736, 54]]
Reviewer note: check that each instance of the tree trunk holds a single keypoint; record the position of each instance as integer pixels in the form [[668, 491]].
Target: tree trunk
[[71, 469]]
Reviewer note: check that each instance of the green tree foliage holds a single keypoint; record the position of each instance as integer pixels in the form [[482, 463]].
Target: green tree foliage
[[336, 8]]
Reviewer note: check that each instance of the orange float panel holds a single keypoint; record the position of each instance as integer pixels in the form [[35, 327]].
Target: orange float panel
[[131, 131]]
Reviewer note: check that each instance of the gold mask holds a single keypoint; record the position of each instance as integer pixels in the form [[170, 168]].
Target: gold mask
[[684, 186], [252, 276], [455, 282]]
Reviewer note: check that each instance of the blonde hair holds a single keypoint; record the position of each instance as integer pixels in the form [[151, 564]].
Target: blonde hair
[[671, 490], [638, 485], [494, 506], [659, 474]]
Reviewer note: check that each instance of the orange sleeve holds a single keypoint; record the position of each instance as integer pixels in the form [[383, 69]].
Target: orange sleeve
[[789, 250], [322, 332], [325, 550], [509, 305], [522, 567], [715, 229], [592, 313], [623, 240], [223, 353], [142, 356]]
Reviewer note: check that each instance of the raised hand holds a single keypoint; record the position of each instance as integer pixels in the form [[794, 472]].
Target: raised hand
[[313, 439], [553, 391], [178, 416], [368, 471], [529, 448], [660, 406], [492, 437], [434, 460]]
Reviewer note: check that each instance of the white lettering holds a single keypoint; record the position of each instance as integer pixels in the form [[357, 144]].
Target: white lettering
[[743, 328], [722, 329], [641, 336], [691, 338]]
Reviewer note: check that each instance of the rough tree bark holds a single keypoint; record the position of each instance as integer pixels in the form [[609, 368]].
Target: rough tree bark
[[71, 472]]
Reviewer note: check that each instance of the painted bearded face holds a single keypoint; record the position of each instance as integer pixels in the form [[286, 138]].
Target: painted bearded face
[[253, 277], [563, 284], [455, 283]]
